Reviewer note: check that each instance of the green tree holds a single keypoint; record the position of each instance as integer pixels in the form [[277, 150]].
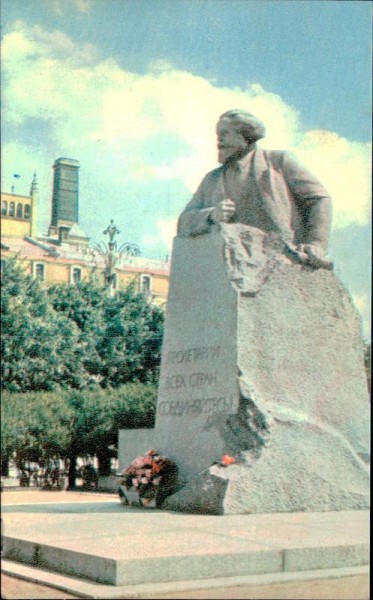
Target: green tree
[[83, 306], [99, 414], [40, 348], [76, 338], [36, 426], [121, 335], [130, 344], [71, 423]]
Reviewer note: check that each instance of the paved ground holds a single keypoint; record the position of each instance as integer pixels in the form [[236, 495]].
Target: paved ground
[[17, 589], [39, 505], [346, 588], [38, 496]]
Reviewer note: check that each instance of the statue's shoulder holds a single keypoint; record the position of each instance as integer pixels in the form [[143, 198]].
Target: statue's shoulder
[[274, 156], [215, 173], [212, 176], [277, 158]]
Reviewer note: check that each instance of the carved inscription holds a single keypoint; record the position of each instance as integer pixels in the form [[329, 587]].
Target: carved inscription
[[193, 354], [198, 406], [198, 381], [195, 380]]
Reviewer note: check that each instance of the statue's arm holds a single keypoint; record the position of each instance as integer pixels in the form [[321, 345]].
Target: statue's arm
[[313, 203], [195, 218]]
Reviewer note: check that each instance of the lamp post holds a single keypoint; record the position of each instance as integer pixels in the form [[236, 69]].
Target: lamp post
[[111, 253]]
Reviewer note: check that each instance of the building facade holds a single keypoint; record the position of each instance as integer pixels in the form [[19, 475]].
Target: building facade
[[65, 255]]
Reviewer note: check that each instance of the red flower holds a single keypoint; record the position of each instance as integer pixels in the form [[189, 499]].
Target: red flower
[[145, 473], [227, 460]]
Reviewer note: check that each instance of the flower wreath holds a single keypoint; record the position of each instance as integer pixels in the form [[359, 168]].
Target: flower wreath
[[153, 476]]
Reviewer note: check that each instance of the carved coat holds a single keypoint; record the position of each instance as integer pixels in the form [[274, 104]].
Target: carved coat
[[284, 198]]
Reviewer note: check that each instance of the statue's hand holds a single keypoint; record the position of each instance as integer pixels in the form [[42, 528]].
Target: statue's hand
[[316, 256], [223, 211]]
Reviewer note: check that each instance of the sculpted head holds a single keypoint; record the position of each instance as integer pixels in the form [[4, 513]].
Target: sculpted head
[[236, 131]]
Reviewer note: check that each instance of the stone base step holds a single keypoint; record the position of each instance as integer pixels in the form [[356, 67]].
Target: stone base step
[[111, 544]]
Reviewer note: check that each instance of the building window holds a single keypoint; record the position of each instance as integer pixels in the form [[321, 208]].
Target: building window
[[27, 214], [19, 211], [11, 209], [39, 272], [4, 207], [76, 275], [146, 284]]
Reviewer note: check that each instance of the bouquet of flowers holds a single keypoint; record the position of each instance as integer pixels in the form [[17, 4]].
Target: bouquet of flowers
[[227, 460], [152, 476]]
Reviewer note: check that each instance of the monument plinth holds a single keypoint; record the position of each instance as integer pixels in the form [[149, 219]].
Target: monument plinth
[[262, 360], [198, 381]]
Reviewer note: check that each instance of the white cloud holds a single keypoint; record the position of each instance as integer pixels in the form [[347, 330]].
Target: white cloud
[[131, 130], [344, 168], [361, 302], [165, 231], [61, 7], [363, 305]]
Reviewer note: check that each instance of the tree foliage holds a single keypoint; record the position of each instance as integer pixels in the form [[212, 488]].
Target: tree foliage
[[82, 305], [75, 336], [121, 335], [130, 343], [77, 366], [65, 424], [35, 426], [99, 414], [40, 348]]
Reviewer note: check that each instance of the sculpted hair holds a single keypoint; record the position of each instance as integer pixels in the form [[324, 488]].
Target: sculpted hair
[[246, 124]]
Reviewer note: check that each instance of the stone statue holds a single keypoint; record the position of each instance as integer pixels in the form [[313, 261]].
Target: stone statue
[[262, 357], [264, 189]]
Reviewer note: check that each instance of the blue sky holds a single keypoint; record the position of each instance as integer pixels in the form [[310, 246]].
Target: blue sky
[[132, 89]]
